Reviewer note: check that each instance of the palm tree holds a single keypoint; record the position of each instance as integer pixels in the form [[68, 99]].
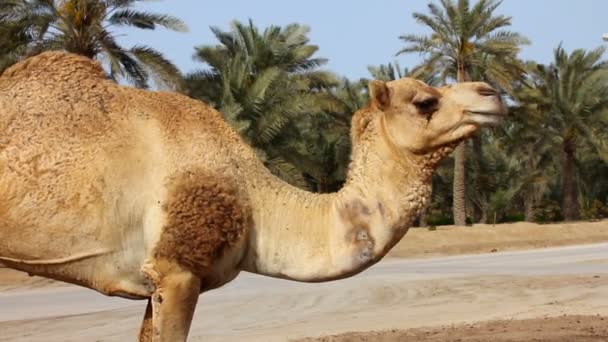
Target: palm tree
[[319, 147], [85, 27], [352, 96], [387, 72], [522, 143], [574, 91], [265, 83], [593, 183], [393, 71], [464, 40], [13, 38]]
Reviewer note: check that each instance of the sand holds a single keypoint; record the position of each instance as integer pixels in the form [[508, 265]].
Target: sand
[[565, 328], [381, 304]]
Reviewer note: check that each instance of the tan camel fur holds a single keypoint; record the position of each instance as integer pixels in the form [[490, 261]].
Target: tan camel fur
[[151, 195]]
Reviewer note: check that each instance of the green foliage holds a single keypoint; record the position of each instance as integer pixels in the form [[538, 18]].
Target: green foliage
[[440, 220], [467, 40], [592, 171], [572, 95], [352, 96], [392, 71], [388, 72], [548, 211], [269, 87], [512, 218], [85, 27], [530, 154], [320, 147], [594, 209], [574, 91]]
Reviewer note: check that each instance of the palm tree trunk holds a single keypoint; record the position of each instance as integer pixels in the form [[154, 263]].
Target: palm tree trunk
[[532, 198], [570, 185], [484, 215], [529, 209], [423, 218], [481, 209], [459, 190]]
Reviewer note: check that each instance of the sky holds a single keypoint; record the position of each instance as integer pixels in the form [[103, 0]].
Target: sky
[[357, 33]]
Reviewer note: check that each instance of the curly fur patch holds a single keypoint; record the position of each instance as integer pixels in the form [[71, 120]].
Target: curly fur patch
[[205, 217]]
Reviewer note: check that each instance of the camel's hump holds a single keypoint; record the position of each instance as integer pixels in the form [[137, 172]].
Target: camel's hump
[[62, 65]]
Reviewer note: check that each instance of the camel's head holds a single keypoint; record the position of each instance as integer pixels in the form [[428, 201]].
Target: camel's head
[[421, 119]]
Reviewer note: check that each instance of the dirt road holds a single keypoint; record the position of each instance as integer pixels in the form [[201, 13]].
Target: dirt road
[[395, 294]]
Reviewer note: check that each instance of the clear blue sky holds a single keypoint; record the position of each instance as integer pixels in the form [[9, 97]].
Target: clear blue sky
[[356, 33]]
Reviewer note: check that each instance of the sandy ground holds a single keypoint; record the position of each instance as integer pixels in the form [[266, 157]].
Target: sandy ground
[[504, 296], [449, 240], [555, 329], [372, 307]]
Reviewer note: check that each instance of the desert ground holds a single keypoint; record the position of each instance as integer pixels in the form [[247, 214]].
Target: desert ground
[[511, 282]]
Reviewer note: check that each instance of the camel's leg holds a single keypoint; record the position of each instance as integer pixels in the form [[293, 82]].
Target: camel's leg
[[145, 332], [173, 304]]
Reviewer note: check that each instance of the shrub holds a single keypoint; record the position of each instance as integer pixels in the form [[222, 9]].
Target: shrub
[[548, 211], [439, 220], [513, 218], [594, 210]]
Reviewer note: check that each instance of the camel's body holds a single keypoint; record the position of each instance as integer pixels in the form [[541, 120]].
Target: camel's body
[[87, 166], [153, 195]]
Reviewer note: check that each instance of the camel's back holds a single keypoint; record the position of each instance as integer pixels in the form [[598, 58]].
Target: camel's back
[[79, 154]]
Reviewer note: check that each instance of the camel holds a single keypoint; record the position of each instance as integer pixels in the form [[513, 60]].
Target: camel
[[153, 196]]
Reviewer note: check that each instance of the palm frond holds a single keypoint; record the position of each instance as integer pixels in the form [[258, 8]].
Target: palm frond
[[148, 21], [286, 171], [164, 72]]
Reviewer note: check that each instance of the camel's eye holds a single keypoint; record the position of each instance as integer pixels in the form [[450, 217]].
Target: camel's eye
[[427, 106]]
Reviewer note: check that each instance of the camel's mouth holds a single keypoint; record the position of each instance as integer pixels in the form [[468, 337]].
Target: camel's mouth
[[501, 113], [488, 118]]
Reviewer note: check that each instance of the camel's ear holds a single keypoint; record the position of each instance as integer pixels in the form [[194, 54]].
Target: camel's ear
[[379, 94]]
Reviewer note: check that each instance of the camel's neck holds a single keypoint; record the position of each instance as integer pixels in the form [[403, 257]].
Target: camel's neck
[[320, 237]]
